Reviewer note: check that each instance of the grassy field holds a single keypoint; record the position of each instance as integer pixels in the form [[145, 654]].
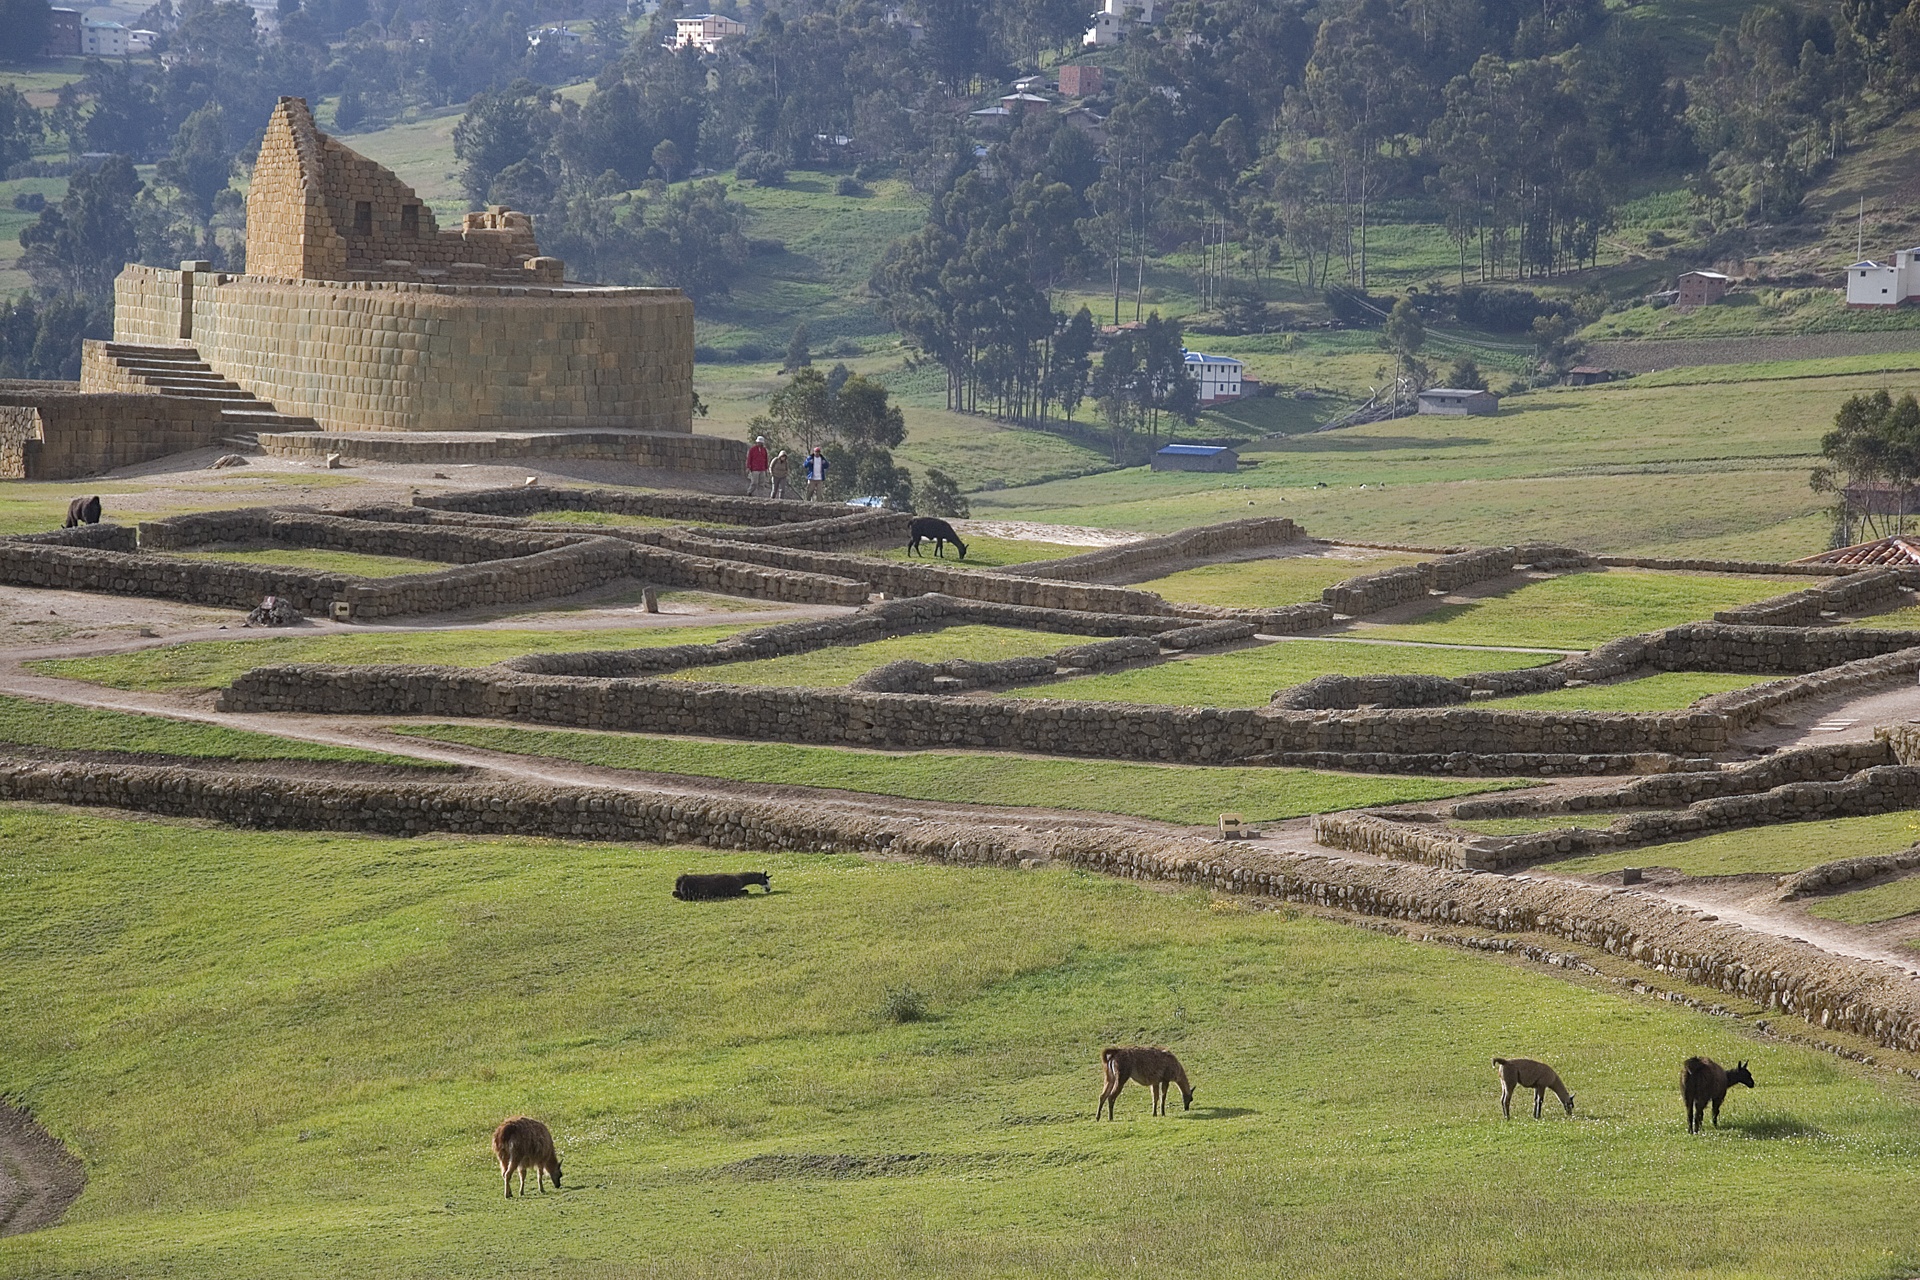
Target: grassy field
[[1775, 850], [214, 664], [319, 560], [1580, 610], [1249, 677], [1667, 691], [1871, 906], [24, 722], [842, 664], [1167, 793], [1595, 467], [280, 1055], [1260, 584], [421, 152]]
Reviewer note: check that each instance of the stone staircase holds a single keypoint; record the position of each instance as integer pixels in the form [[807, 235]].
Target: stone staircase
[[181, 373]]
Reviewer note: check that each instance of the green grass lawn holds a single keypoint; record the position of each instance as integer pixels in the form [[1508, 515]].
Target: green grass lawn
[[1168, 793], [1528, 826], [1249, 677], [1667, 691], [1262, 584], [608, 518], [1871, 906], [281, 1055], [842, 664], [1773, 850], [1905, 619], [214, 664], [319, 560], [68, 728], [1581, 610]]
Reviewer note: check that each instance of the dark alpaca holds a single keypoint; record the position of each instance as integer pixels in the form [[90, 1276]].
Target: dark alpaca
[[1154, 1068], [1704, 1082], [939, 532], [725, 884], [82, 511], [1525, 1073], [521, 1144]]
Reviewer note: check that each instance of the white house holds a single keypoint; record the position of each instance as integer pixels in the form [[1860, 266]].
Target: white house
[[705, 31], [1874, 284], [1117, 20], [1218, 377], [104, 39], [564, 39], [141, 41]]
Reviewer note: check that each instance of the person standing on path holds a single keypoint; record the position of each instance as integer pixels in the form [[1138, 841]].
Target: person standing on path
[[816, 472], [778, 470], [757, 463]]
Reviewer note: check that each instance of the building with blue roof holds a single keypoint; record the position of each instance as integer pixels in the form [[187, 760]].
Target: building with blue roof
[[1196, 457]]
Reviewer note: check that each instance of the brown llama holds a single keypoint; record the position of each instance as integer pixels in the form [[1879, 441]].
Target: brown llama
[[1154, 1068], [1525, 1073], [521, 1144], [1704, 1082]]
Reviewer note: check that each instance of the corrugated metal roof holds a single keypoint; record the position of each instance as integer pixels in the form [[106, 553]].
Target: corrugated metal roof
[[1194, 450]]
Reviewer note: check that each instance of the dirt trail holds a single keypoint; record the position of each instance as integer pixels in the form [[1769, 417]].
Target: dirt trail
[[39, 1177]]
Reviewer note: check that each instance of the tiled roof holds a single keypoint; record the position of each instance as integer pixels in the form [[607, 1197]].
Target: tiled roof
[[1896, 551]]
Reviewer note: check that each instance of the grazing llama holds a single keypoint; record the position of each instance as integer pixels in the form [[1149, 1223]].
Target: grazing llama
[[1525, 1073], [722, 884], [939, 531], [1704, 1081], [1155, 1068], [521, 1144]]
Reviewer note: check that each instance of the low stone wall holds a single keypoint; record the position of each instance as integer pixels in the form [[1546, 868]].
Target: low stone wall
[[1832, 992], [1336, 692], [833, 533], [1845, 873], [1832, 762], [544, 575], [533, 499], [661, 450], [282, 527], [899, 578], [1882, 789], [1768, 568], [1372, 592], [99, 537], [900, 722], [1134, 558], [208, 582], [1854, 593]]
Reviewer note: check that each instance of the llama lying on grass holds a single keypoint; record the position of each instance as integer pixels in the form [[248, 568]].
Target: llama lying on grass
[[1155, 1068], [1525, 1073], [725, 884], [1704, 1081], [521, 1144]]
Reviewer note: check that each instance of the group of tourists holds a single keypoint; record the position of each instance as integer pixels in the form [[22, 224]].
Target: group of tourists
[[767, 474]]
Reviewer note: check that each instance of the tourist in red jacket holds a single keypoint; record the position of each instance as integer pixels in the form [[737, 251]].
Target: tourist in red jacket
[[759, 484]]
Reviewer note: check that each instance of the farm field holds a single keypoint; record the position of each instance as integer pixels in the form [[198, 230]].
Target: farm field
[[1164, 793], [281, 1055], [1772, 850], [1581, 610], [1249, 677], [842, 664], [213, 664]]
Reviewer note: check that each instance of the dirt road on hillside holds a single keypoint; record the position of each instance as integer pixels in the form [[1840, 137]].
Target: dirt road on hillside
[[39, 1177]]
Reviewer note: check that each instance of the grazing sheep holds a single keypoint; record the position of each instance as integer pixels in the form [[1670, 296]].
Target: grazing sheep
[[925, 528], [1704, 1081], [1155, 1068], [726, 884], [521, 1144], [1525, 1073], [82, 511]]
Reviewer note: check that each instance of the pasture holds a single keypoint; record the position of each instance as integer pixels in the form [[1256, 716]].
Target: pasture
[[1770, 850], [282, 1055]]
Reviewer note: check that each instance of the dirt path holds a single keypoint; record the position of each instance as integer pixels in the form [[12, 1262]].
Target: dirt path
[[39, 1177]]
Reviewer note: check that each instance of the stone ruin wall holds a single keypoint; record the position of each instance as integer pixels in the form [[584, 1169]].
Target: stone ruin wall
[[400, 357]]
